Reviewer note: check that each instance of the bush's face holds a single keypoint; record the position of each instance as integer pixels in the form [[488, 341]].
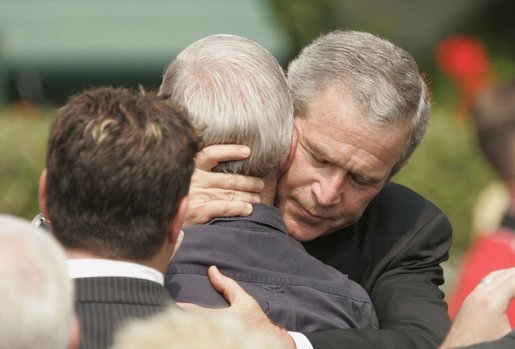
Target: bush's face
[[341, 163]]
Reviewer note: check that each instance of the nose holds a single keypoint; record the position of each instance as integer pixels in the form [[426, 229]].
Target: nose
[[328, 190]]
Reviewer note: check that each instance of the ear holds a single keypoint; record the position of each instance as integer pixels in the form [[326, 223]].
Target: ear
[[177, 222], [291, 154], [175, 234], [42, 194]]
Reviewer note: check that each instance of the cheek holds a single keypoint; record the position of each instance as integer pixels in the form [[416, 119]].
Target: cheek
[[357, 200], [300, 173]]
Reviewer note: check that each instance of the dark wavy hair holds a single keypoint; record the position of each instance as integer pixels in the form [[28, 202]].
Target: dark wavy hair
[[119, 162]]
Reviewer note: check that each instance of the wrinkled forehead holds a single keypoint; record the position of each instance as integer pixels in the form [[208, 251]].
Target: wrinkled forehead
[[326, 98]]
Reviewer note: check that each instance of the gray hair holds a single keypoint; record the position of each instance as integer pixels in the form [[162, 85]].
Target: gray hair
[[383, 79], [236, 93], [35, 289], [174, 328]]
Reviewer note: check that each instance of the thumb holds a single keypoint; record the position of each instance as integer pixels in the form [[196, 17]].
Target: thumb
[[225, 285]]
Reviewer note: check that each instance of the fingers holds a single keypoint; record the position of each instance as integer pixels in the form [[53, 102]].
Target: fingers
[[220, 194], [199, 196], [211, 155], [500, 275], [242, 304], [500, 283], [236, 182], [202, 212]]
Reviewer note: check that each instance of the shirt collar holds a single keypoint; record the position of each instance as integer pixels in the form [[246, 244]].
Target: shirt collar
[[261, 214], [93, 267]]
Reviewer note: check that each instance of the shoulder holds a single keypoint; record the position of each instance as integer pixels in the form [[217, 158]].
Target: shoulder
[[399, 210], [401, 223], [396, 196]]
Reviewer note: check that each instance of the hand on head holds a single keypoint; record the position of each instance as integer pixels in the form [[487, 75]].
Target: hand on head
[[220, 194]]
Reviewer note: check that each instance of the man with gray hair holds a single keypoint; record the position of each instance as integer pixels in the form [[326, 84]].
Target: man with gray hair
[[35, 291], [236, 92], [361, 109]]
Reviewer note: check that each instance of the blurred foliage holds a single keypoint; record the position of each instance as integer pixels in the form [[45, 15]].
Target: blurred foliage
[[449, 170], [495, 26], [303, 21], [23, 134], [416, 25]]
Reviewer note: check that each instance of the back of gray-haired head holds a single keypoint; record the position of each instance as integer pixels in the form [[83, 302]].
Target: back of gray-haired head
[[236, 93], [382, 78], [35, 290]]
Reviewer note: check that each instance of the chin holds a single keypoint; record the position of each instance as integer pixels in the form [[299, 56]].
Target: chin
[[303, 235]]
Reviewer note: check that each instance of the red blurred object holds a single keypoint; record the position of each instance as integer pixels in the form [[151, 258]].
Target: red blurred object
[[466, 60]]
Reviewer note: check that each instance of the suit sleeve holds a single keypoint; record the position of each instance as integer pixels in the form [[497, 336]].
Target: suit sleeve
[[506, 342], [405, 292]]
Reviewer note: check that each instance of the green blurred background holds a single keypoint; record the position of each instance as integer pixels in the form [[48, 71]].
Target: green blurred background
[[52, 48]]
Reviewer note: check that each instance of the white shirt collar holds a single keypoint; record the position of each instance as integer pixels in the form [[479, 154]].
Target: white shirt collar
[[93, 267]]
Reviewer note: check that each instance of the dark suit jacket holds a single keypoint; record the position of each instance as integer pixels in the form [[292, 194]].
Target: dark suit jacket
[[506, 342], [103, 304], [394, 251]]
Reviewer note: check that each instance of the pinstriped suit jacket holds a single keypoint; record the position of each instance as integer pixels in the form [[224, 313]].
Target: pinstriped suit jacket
[[103, 304]]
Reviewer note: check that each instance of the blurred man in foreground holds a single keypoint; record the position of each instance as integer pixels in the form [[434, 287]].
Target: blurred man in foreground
[[36, 293]]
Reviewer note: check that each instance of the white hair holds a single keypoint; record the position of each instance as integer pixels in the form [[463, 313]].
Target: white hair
[[382, 78], [236, 93], [35, 290], [177, 329]]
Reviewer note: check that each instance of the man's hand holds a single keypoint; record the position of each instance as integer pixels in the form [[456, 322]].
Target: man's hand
[[242, 305], [482, 317], [220, 194]]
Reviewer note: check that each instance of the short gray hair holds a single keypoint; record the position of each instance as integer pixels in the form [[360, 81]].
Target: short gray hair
[[383, 79], [236, 93], [174, 328], [35, 289]]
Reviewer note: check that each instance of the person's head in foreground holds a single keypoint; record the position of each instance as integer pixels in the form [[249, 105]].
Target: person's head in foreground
[[236, 92], [176, 329], [361, 109], [35, 290], [118, 170]]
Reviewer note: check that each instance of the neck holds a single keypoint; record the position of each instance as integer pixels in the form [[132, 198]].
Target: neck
[[267, 195]]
